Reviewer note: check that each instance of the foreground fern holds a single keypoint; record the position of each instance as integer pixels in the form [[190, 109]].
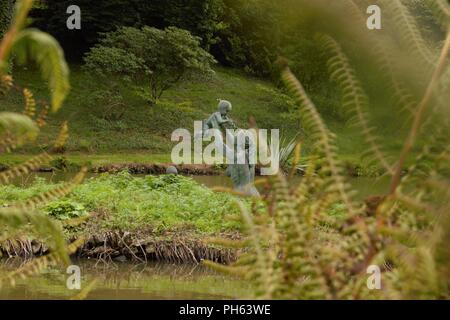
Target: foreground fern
[[297, 250], [17, 129]]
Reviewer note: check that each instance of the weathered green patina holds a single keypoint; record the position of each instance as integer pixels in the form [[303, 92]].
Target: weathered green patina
[[242, 174]]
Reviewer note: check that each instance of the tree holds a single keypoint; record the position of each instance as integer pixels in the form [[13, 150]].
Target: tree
[[6, 12], [250, 36], [161, 57], [200, 17]]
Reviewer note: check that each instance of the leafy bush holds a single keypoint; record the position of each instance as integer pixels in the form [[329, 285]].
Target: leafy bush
[[65, 210], [161, 57], [200, 17]]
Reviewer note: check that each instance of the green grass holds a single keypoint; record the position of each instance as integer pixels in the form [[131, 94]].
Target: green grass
[[143, 133], [78, 159], [164, 203], [147, 128]]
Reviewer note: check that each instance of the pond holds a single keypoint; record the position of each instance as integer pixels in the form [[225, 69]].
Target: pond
[[123, 281], [150, 281]]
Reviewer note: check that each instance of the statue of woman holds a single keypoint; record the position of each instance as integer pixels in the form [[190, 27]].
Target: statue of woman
[[242, 174]]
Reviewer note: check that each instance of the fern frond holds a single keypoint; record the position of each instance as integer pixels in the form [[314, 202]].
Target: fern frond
[[415, 204], [34, 45], [75, 222], [63, 136], [30, 104], [354, 97], [441, 9], [296, 258], [324, 140], [6, 83], [48, 196], [23, 7], [20, 170], [381, 48], [85, 291], [42, 118], [37, 265], [18, 128], [30, 269], [409, 31], [16, 218]]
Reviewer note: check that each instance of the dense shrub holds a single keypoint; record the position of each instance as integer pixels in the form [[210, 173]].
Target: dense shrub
[[160, 57], [200, 17], [65, 210]]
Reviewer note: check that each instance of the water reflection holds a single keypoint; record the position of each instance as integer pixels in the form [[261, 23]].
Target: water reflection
[[127, 281]]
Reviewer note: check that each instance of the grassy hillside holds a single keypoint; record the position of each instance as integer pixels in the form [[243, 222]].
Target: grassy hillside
[[113, 122], [144, 127]]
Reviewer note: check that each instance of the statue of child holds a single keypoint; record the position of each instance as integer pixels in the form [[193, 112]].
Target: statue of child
[[220, 119]]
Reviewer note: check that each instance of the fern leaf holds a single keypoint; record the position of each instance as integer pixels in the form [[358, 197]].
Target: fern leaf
[[409, 31], [85, 291], [30, 104], [34, 45], [30, 269], [43, 225], [56, 193], [63, 136], [23, 7], [25, 168], [324, 140], [441, 9], [354, 97], [19, 128], [37, 265]]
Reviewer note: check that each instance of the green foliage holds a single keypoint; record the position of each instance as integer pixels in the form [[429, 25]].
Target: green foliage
[[161, 57], [250, 36], [111, 118], [6, 13], [20, 126], [14, 220], [65, 210], [167, 202], [200, 17], [316, 241], [21, 217], [160, 202], [34, 45]]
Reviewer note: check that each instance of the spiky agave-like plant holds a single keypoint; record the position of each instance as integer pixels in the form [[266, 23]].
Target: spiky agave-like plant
[[297, 249]]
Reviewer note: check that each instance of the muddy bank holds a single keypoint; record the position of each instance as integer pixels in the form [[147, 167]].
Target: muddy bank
[[110, 246], [156, 169], [136, 168]]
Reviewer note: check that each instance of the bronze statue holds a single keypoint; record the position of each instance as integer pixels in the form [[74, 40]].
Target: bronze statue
[[242, 174]]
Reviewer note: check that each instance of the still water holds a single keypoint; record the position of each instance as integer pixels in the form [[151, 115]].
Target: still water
[[126, 281], [150, 281]]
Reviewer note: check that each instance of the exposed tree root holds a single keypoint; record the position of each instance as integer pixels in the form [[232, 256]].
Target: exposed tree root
[[116, 246]]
